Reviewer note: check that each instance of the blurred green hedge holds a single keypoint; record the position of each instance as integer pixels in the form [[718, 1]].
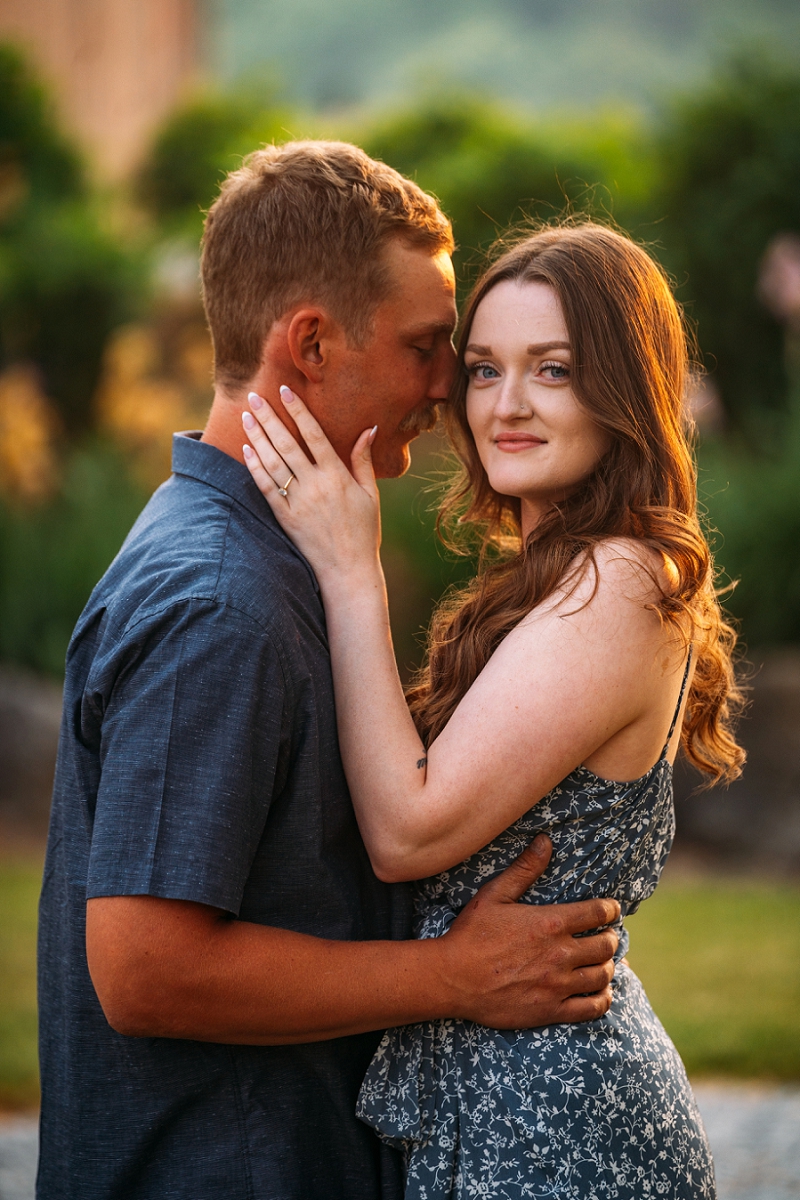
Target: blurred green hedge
[[53, 554], [752, 507], [490, 168], [707, 189], [65, 279], [728, 182], [196, 148]]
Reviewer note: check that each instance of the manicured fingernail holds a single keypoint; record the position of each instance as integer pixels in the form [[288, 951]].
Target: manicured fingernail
[[287, 395], [372, 436], [248, 451], [254, 399], [248, 420]]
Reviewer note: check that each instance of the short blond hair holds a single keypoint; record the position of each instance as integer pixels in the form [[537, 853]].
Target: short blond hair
[[305, 222]]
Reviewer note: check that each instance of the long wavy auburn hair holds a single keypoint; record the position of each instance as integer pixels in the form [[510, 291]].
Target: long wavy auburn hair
[[630, 371]]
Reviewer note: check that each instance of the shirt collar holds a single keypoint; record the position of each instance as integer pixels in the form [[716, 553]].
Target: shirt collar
[[201, 460]]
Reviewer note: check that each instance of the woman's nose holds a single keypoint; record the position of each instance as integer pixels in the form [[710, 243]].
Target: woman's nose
[[510, 400]]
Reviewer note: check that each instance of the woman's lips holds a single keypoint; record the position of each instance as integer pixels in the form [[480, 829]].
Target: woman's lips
[[510, 443]]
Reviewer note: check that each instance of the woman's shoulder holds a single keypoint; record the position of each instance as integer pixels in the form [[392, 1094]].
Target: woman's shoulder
[[619, 570], [613, 591], [619, 559]]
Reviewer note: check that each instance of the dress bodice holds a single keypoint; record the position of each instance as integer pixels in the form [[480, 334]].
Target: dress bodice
[[610, 839]]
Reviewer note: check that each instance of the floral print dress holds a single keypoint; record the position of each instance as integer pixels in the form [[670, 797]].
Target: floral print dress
[[597, 1111]]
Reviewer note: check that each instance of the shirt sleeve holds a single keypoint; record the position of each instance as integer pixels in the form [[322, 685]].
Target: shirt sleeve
[[194, 747]]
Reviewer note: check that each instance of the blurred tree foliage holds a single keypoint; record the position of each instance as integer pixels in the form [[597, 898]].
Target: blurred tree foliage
[[752, 504], [490, 169], [65, 283], [65, 280], [720, 179], [197, 147], [730, 180], [36, 161], [729, 167], [52, 556]]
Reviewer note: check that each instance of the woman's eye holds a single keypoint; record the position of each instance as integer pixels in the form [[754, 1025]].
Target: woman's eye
[[482, 370], [555, 370]]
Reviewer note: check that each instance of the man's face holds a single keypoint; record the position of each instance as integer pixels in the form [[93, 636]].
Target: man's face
[[405, 370]]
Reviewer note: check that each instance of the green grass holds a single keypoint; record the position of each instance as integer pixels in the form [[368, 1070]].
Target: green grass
[[720, 961], [20, 880], [721, 964]]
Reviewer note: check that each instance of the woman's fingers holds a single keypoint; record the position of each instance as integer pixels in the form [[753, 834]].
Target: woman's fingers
[[312, 432], [361, 460], [272, 462], [282, 440], [332, 516], [261, 476], [281, 454]]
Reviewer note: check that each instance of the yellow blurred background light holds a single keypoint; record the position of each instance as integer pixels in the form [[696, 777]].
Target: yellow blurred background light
[[155, 381], [28, 431]]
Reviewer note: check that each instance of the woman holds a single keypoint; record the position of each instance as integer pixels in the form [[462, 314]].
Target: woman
[[557, 689]]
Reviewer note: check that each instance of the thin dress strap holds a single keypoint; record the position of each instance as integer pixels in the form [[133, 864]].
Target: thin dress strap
[[680, 701]]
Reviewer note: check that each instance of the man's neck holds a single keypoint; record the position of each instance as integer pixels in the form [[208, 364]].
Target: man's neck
[[224, 426]]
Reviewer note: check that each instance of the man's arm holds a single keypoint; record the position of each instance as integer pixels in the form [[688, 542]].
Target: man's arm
[[172, 968]]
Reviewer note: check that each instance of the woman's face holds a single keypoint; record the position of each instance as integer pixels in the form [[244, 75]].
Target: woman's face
[[534, 439]]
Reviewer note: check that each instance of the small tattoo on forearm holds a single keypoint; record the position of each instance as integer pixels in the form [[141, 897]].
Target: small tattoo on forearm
[[421, 762]]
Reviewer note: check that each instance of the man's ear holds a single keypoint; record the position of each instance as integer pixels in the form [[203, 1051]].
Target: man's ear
[[308, 341]]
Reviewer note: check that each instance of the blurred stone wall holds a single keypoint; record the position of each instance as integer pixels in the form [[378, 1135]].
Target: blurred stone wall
[[30, 716], [756, 821], [753, 823]]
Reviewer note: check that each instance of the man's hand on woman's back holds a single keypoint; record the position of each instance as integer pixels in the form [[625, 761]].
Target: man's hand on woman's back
[[522, 965], [177, 969]]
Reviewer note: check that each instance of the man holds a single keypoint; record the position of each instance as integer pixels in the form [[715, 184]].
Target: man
[[216, 954]]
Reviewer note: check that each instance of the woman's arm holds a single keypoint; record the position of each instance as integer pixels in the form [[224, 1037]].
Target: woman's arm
[[586, 678]]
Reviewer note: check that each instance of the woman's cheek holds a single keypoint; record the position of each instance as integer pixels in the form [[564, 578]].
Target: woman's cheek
[[470, 412]]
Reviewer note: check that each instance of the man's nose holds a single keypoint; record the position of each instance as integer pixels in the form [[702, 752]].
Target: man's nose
[[443, 374]]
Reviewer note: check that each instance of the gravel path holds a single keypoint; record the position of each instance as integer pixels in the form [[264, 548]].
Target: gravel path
[[755, 1137], [19, 1140], [754, 1132]]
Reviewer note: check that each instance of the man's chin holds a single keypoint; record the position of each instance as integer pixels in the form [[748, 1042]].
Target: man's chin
[[390, 462]]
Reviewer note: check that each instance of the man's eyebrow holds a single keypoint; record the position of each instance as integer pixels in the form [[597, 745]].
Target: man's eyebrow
[[535, 349], [431, 329]]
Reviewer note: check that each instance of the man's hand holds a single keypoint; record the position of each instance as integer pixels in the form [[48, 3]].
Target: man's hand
[[521, 965]]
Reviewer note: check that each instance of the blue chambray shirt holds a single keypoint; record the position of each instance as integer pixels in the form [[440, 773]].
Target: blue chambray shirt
[[199, 761]]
